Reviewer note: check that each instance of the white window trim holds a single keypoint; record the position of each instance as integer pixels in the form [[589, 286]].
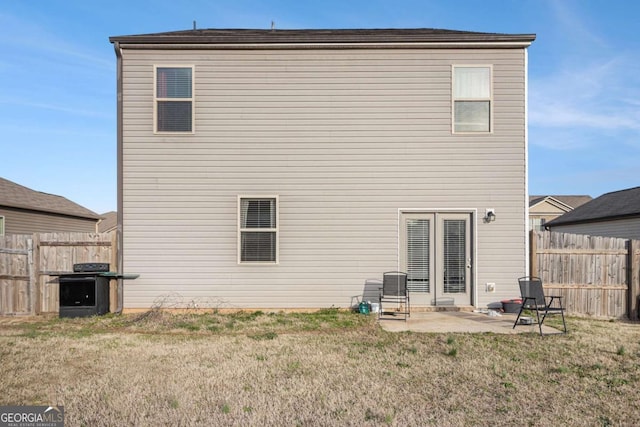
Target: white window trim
[[454, 99], [156, 99], [266, 230]]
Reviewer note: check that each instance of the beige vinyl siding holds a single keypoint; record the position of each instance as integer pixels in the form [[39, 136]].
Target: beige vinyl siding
[[547, 208], [546, 211], [345, 139], [22, 221], [622, 228]]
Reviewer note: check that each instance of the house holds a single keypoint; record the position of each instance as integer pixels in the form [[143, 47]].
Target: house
[[25, 211], [108, 223], [291, 168], [615, 214], [543, 209]]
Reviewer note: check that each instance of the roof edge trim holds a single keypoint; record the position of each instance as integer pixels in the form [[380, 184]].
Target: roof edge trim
[[590, 220], [18, 206], [374, 45], [295, 38]]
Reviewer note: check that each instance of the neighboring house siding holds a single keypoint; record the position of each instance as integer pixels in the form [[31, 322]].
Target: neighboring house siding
[[108, 223], [19, 221], [344, 138], [543, 213], [547, 210], [623, 228]]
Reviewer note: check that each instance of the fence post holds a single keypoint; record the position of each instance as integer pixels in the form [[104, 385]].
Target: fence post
[[633, 288], [114, 290], [35, 273], [533, 256], [31, 283]]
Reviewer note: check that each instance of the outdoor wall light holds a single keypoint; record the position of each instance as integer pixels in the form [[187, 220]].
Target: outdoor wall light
[[490, 215]]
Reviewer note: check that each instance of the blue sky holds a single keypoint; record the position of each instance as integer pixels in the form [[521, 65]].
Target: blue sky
[[57, 74]]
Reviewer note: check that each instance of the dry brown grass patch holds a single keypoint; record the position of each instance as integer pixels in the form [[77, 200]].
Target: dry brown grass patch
[[326, 368]]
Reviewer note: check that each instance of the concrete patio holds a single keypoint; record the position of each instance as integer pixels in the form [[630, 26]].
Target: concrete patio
[[461, 321]]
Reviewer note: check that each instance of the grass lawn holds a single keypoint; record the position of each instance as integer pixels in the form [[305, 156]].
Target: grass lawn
[[325, 368]]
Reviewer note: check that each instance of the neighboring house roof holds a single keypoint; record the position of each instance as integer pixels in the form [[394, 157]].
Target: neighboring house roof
[[570, 201], [14, 195], [331, 36], [615, 205], [108, 222]]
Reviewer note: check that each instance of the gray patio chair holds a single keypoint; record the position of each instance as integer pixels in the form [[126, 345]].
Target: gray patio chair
[[534, 299], [394, 292]]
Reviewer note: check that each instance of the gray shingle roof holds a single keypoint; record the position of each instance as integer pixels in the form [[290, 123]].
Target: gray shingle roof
[[16, 196], [614, 205], [353, 36]]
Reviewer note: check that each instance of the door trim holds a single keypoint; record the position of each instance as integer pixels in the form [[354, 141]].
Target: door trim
[[473, 212]]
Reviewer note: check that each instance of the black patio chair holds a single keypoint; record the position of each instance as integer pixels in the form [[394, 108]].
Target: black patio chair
[[534, 299], [394, 292]]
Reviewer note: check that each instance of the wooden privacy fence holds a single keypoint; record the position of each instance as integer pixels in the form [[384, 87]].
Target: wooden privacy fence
[[27, 263], [597, 276]]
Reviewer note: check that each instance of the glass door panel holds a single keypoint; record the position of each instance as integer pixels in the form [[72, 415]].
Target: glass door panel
[[454, 263]]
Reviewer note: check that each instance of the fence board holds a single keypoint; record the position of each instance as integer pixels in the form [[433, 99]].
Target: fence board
[[633, 278], [15, 275]]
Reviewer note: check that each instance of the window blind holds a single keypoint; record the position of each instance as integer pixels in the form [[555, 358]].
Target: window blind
[[418, 249], [258, 247], [455, 265], [173, 82], [472, 83], [258, 213]]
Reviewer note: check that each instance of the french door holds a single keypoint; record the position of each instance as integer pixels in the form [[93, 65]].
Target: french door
[[435, 252]]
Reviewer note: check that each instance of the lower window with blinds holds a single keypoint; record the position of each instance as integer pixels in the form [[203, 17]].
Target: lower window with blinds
[[258, 229]]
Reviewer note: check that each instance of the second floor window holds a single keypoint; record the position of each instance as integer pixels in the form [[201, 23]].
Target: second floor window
[[472, 99], [174, 99]]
